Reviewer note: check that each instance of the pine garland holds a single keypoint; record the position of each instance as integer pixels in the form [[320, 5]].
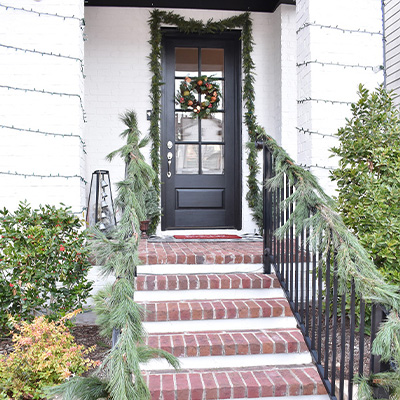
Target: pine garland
[[353, 261], [187, 26], [117, 253]]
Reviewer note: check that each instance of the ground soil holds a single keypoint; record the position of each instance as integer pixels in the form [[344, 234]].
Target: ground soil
[[346, 339]]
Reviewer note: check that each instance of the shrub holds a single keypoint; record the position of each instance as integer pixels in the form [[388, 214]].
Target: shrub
[[368, 178], [43, 262], [45, 354]]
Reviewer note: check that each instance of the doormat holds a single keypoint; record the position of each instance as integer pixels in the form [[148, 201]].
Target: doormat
[[208, 237]]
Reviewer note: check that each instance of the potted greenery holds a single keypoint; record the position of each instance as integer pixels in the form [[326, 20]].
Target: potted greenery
[[152, 210]]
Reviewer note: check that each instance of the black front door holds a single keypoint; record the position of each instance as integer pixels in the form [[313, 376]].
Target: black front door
[[201, 158]]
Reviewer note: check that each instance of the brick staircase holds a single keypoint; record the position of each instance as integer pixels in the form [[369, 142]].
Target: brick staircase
[[229, 325]]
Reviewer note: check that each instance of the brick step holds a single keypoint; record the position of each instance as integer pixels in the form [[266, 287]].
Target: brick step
[[206, 281], [198, 344], [214, 309], [237, 383], [200, 253]]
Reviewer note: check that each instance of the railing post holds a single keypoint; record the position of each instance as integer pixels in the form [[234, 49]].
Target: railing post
[[267, 210], [378, 314]]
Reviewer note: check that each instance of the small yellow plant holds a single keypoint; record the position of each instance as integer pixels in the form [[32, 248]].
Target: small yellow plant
[[45, 354]]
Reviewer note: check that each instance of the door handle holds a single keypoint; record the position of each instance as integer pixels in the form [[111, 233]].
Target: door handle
[[169, 158]]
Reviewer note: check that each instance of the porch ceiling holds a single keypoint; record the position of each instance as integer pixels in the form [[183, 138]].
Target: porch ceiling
[[236, 5]]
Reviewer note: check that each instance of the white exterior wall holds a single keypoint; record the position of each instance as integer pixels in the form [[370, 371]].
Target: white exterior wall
[[118, 78], [26, 152], [392, 33], [329, 84]]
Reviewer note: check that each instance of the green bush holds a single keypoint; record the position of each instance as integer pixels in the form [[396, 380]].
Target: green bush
[[368, 178], [45, 354], [43, 263]]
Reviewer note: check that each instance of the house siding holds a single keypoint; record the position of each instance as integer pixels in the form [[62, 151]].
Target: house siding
[[22, 75], [392, 29]]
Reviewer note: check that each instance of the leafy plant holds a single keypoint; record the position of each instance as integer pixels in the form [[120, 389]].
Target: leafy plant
[[45, 353], [43, 263], [116, 309], [368, 179]]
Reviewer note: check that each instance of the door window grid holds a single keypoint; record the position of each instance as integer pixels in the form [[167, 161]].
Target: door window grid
[[196, 149]]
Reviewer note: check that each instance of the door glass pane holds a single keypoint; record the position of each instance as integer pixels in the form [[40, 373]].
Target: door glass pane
[[186, 127], [212, 62], [212, 159], [187, 158], [186, 61], [212, 128]]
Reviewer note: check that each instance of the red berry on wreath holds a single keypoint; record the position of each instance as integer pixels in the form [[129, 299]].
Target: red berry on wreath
[[190, 103], [213, 99], [182, 100], [200, 82]]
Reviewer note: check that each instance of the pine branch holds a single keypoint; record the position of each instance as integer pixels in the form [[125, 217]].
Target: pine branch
[[117, 252], [78, 388], [315, 211]]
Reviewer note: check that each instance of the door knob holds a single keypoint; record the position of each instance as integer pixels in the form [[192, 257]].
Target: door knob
[[169, 158]]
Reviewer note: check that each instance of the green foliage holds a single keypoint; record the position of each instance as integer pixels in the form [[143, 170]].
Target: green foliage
[[43, 262], [152, 207], [368, 179], [254, 194], [115, 306], [45, 353], [314, 210], [139, 174]]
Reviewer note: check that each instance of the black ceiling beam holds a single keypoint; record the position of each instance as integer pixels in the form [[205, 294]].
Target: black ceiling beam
[[230, 5]]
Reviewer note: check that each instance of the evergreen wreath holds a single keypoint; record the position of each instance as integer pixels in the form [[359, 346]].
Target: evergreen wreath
[[188, 95], [243, 21]]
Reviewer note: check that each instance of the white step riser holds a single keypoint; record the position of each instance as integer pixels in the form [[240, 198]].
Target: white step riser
[[237, 324], [237, 361], [208, 294], [171, 269], [314, 397]]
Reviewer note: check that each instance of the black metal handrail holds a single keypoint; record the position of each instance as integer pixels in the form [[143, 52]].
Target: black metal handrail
[[333, 325]]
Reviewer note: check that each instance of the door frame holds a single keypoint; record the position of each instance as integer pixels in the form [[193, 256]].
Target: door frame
[[234, 37]]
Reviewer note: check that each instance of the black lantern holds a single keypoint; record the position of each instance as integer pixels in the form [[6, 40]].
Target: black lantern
[[100, 204]]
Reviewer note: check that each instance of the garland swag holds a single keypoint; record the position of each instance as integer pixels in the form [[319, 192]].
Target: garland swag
[[353, 262], [119, 377], [243, 21]]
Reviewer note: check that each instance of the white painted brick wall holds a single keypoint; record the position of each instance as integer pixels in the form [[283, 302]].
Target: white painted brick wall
[[29, 152], [118, 78], [392, 27], [327, 82]]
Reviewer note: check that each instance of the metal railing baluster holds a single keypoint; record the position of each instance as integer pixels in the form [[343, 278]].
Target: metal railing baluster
[[321, 312]]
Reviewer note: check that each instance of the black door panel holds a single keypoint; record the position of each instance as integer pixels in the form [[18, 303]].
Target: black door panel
[[201, 158]]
